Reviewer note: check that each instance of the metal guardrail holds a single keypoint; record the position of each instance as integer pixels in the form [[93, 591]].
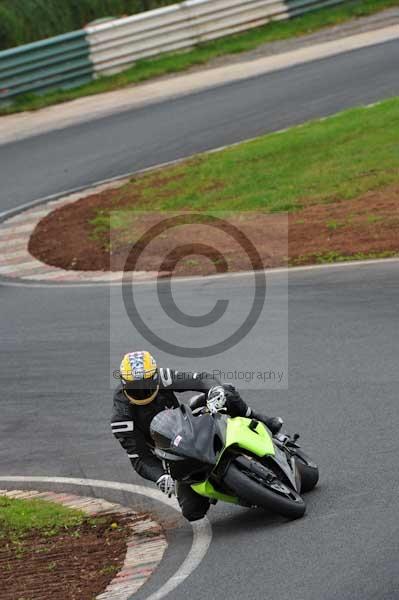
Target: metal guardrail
[[117, 44], [75, 58], [58, 62], [296, 8]]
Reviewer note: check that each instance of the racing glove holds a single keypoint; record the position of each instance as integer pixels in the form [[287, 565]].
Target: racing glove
[[166, 484], [216, 399], [273, 423]]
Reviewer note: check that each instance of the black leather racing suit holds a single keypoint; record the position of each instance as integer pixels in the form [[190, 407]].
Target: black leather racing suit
[[131, 426]]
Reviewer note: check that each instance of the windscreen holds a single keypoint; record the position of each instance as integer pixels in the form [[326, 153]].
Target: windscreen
[[182, 433]]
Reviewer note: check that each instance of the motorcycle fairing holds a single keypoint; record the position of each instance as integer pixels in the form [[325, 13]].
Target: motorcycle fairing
[[288, 467], [206, 489], [259, 441], [255, 439], [246, 434], [185, 435]]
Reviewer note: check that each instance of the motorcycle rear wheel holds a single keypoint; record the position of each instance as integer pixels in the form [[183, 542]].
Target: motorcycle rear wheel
[[256, 494]]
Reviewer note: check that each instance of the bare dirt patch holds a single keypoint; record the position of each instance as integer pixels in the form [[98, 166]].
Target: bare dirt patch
[[368, 225], [365, 226], [65, 237], [76, 564]]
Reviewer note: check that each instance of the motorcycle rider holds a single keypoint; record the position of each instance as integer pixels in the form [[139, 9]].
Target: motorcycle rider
[[144, 391]]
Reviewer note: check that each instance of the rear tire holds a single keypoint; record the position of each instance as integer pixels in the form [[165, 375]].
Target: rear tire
[[309, 475], [256, 494]]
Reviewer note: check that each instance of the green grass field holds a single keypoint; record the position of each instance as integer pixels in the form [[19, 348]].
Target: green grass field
[[18, 517], [173, 63], [341, 157]]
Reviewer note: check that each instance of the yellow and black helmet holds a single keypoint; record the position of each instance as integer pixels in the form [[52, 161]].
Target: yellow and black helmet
[[139, 377]]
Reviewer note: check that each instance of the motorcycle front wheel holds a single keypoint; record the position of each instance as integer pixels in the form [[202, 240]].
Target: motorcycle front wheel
[[309, 474], [286, 502]]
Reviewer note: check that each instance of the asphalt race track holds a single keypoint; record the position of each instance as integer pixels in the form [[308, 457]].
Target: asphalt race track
[[343, 372], [342, 397], [132, 140]]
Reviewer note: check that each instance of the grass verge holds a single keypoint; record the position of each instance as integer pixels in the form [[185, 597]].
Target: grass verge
[[325, 191], [175, 62], [19, 517], [327, 258], [341, 157], [48, 550]]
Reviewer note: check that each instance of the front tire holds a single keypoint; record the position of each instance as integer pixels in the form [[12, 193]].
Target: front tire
[[256, 494], [309, 474]]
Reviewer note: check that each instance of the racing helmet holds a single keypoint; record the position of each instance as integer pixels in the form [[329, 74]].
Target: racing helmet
[[139, 376]]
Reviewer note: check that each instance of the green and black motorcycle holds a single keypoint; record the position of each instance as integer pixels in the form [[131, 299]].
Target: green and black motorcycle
[[234, 460]]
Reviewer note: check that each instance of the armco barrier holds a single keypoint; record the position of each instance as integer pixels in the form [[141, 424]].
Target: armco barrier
[[58, 62], [75, 58], [116, 44]]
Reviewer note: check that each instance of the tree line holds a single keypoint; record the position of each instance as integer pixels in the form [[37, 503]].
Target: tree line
[[24, 21]]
